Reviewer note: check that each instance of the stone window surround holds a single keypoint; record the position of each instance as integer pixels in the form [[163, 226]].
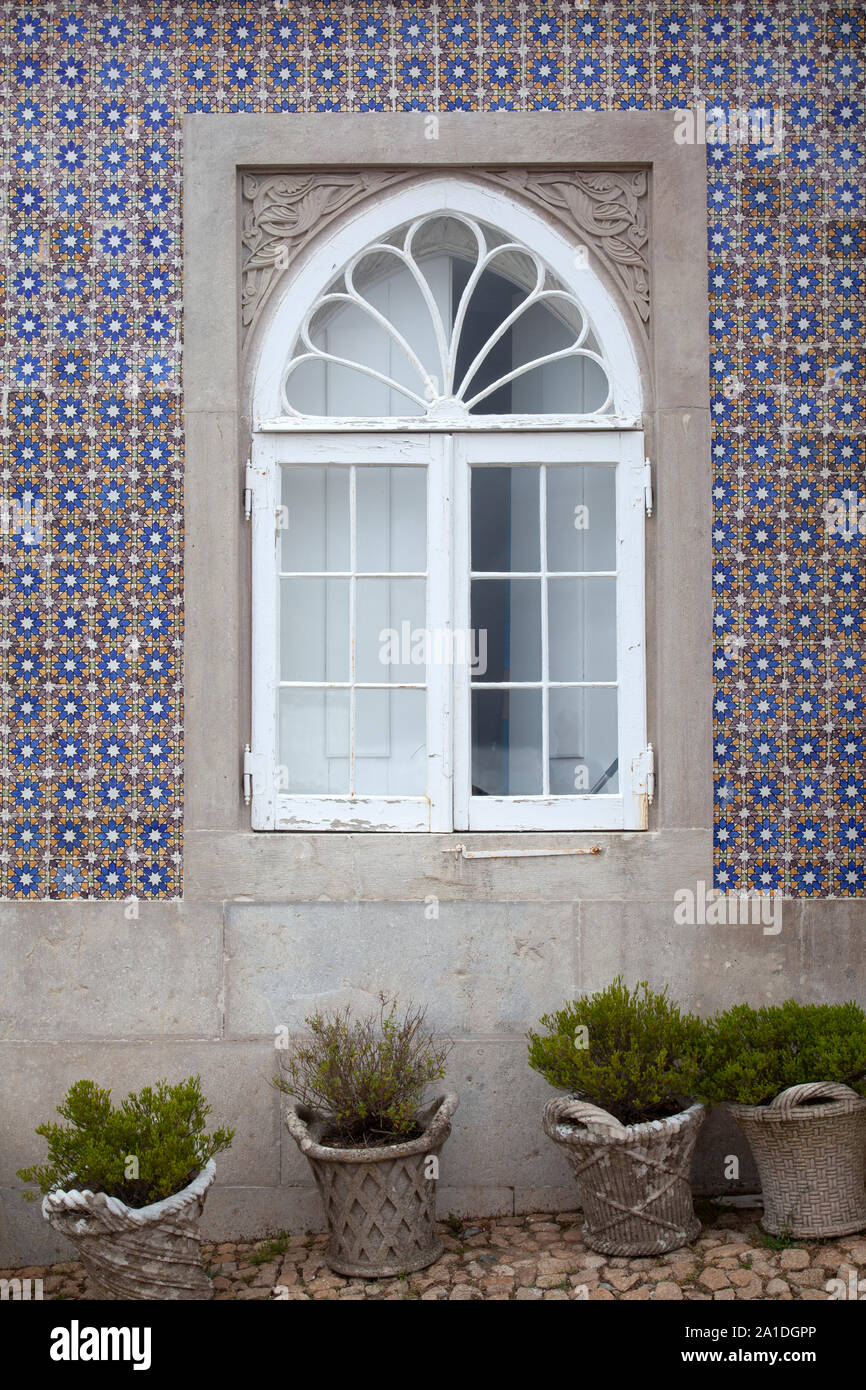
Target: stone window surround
[[223, 858]]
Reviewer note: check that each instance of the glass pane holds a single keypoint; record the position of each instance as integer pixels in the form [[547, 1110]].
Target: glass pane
[[505, 529], [386, 283], [390, 742], [446, 252], [506, 614], [581, 518], [390, 638], [314, 629], [391, 512], [315, 523], [492, 300], [583, 741], [582, 629], [569, 386], [506, 743], [313, 741]]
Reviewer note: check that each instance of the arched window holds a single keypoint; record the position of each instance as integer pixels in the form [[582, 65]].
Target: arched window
[[447, 489], [446, 318]]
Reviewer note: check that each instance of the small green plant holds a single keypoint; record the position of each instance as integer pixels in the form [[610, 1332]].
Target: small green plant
[[270, 1249], [365, 1076], [149, 1147], [783, 1241], [632, 1052], [750, 1055]]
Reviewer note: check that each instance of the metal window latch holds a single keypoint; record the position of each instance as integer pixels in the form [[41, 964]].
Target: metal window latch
[[248, 490], [515, 853], [248, 775], [648, 486]]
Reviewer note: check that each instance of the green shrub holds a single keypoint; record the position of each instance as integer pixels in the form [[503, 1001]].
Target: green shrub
[[750, 1055], [153, 1145], [365, 1076], [632, 1052]]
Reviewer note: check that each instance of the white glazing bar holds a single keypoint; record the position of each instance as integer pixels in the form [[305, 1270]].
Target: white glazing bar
[[538, 685], [353, 560], [545, 635], [347, 574], [352, 685], [541, 574]]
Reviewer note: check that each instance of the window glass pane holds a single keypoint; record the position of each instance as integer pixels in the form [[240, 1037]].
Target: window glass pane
[[390, 630], [583, 741], [505, 529], [443, 254], [315, 523], [391, 511], [313, 741], [506, 743], [508, 613], [581, 518], [569, 386], [314, 629], [582, 629], [390, 742]]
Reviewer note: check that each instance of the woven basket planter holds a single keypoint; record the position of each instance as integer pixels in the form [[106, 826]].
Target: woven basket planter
[[810, 1147], [633, 1180], [151, 1252], [379, 1205]]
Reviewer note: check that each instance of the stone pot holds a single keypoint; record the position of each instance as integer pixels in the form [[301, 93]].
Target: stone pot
[[633, 1180], [810, 1147], [380, 1204], [151, 1252]]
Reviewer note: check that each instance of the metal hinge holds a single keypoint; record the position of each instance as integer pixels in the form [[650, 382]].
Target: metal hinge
[[644, 774], [248, 490], [248, 775], [648, 486]]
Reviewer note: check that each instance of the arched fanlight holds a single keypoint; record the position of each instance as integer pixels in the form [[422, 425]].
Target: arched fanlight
[[444, 318]]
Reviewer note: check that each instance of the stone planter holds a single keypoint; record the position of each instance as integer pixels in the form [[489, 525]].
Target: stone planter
[[380, 1205], [810, 1147], [151, 1252], [633, 1180]]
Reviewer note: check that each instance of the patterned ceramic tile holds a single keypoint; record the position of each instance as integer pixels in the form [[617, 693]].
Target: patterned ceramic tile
[[93, 95]]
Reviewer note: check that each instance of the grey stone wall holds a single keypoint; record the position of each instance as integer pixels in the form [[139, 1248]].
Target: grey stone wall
[[199, 986]]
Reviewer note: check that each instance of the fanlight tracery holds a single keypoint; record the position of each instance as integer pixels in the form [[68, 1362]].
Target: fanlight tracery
[[443, 318]]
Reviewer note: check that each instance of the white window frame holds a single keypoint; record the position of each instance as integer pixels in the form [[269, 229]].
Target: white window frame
[[446, 442], [273, 809], [622, 810], [448, 458]]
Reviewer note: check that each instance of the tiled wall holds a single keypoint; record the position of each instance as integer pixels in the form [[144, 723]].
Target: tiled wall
[[94, 94]]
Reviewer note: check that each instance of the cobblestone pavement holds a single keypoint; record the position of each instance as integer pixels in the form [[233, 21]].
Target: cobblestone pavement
[[525, 1258]]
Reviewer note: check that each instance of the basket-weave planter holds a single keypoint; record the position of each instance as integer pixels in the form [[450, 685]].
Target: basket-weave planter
[[810, 1147], [633, 1180], [380, 1205], [151, 1252]]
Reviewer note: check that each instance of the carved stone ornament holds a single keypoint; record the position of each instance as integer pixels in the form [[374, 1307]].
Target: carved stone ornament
[[282, 211], [603, 210]]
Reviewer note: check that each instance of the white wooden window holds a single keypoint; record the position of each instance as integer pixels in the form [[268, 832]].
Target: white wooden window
[[448, 549]]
